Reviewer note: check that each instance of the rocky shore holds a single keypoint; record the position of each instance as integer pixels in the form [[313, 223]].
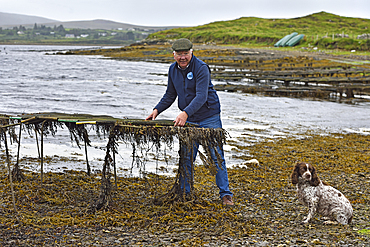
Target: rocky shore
[[270, 71], [58, 212]]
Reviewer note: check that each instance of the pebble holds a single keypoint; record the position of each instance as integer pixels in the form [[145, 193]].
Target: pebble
[[262, 244]]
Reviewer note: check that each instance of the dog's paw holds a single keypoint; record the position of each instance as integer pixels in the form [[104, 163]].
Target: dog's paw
[[304, 222]]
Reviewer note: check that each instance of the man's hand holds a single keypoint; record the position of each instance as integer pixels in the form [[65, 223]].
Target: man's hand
[[152, 115], [181, 119]]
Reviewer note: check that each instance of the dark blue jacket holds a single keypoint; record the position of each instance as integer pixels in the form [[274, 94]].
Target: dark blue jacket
[[194, 89]]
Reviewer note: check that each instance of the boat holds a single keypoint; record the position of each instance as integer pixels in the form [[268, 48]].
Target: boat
[[295, 40], [284, 40]]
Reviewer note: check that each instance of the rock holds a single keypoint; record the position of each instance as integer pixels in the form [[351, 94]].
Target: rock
[[262, 244]]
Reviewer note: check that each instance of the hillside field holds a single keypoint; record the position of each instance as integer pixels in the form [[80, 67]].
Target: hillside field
[[323, 30]]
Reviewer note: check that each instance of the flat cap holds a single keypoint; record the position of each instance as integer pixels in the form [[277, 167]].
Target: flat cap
[[182, 45]]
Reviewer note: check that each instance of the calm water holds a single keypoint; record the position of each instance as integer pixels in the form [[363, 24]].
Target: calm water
[[31, 81]]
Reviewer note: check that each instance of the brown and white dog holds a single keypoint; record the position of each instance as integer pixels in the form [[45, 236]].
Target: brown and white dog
[[319, 196]]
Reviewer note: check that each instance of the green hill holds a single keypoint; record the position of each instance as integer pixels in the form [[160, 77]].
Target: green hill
[[320, 29]]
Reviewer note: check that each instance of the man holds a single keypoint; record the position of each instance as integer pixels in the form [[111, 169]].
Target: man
[[189, 79]]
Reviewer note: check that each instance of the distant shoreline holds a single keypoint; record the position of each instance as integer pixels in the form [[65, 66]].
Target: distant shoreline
[[328, 54], [60, 44]]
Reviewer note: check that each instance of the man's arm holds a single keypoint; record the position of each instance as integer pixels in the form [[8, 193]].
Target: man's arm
[[168, 98]]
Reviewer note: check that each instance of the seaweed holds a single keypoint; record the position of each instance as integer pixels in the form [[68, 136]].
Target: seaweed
[[266, 212], [144, 136]]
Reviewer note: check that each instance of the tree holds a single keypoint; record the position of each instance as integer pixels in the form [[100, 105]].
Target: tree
[[60, 28], [9, 32], [130, 35]]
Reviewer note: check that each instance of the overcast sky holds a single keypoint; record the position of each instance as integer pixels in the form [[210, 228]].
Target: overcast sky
[[181, 13]]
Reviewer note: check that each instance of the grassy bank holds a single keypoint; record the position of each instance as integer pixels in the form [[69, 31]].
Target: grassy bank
[[323, 30], [266, 212]]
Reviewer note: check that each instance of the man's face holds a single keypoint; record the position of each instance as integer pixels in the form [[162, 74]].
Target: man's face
[[183, 58]]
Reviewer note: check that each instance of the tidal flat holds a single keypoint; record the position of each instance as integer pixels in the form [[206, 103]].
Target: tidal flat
[[267, 212]]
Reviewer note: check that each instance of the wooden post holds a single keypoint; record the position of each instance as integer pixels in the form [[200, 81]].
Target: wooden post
[[192, 168], [16, 173], [87, 159], [37, 142], [114, 167], [19, 141], [42, 151], [9, 170]]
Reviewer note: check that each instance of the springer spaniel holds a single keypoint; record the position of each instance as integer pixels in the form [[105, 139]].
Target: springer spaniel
[[319, 196]]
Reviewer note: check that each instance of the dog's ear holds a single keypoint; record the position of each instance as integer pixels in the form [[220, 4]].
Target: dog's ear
[[295, 174], [315, 179]]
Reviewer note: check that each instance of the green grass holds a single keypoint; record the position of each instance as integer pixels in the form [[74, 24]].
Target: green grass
[[364, 231], [318, 29]]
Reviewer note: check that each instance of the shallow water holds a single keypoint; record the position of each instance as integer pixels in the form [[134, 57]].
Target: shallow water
[[31, 82]]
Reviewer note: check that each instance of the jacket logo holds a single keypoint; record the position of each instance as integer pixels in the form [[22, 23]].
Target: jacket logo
[[190, 75]]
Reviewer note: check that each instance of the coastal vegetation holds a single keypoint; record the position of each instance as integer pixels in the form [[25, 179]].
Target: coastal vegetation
[[42, 34], [323, 30]]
